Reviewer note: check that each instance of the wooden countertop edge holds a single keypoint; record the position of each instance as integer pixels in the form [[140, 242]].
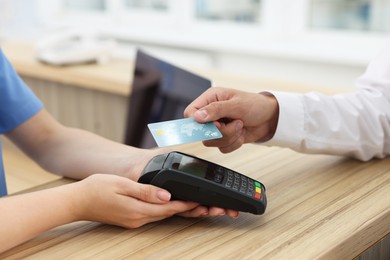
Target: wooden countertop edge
[[71, 77], [375, 226]]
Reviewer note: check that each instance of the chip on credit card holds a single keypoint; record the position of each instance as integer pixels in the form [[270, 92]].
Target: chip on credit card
[[182, 131]]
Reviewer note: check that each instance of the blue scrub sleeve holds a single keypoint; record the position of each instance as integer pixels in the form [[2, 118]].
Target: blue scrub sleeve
[[17, 104]]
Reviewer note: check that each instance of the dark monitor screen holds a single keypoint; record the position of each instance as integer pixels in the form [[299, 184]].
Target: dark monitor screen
[[160, 92]]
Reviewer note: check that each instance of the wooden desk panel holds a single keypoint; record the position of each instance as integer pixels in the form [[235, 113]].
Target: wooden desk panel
[[318, 207], [103, 113]]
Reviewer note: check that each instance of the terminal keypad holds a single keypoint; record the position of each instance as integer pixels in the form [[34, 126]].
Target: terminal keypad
[[242, 184]]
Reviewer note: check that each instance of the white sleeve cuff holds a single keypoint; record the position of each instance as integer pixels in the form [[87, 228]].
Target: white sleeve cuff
[[290, 129]]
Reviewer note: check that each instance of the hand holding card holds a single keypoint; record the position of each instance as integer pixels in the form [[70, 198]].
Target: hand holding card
[[182, 131]]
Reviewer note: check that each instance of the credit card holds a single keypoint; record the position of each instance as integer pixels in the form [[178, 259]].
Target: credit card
[[182, 131]]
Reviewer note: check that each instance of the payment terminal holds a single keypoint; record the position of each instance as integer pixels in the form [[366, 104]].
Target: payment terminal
[[190, 178]]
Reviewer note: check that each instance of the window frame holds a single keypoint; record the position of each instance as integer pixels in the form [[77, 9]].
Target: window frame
[[286, 33]]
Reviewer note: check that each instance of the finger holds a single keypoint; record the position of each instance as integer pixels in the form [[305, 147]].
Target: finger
[[232, 213], [232, 147], [215, 211], [230, 132], [191, 109], [215, 111], [199, 211], [203, 211], [207, 97]]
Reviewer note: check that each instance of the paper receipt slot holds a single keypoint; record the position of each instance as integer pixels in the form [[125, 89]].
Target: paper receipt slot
[[190, 178]]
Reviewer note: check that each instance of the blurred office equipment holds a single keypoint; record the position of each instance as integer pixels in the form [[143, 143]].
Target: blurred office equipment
[[160, 92], [73, 47]]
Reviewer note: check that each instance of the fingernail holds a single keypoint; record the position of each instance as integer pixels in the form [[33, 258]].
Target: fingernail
[[163, 195], [202, 113]]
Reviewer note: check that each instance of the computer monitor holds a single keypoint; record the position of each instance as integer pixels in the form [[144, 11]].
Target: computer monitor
[[160, 92]]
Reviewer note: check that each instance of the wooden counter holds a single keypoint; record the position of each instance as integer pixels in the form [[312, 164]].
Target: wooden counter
[[318, 207]]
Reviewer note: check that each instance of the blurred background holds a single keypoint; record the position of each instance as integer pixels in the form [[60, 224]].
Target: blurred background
[[321, 42]]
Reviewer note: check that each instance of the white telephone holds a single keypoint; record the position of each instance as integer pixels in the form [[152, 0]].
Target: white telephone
[[74, 47]]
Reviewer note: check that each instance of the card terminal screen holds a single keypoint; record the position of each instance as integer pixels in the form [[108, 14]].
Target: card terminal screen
[[197, 167]]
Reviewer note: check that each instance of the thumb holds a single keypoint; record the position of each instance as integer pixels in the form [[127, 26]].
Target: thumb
[[149, 193], [214, 112]]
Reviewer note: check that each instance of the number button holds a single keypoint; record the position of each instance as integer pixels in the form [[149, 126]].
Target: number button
[[251, 188], [244, 184], [230, 178], [236, 184]]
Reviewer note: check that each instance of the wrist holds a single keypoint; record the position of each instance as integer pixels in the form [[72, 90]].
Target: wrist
[[272, 118], [138, 163], [78, 198]]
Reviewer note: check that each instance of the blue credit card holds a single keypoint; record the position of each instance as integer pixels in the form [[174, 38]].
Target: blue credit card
[[182, 131]]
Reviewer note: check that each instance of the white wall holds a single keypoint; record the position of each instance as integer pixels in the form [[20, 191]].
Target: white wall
[[316, 73], [19, 19]]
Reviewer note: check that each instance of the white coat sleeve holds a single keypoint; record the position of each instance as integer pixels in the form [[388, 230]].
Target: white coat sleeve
[[353, 124]]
